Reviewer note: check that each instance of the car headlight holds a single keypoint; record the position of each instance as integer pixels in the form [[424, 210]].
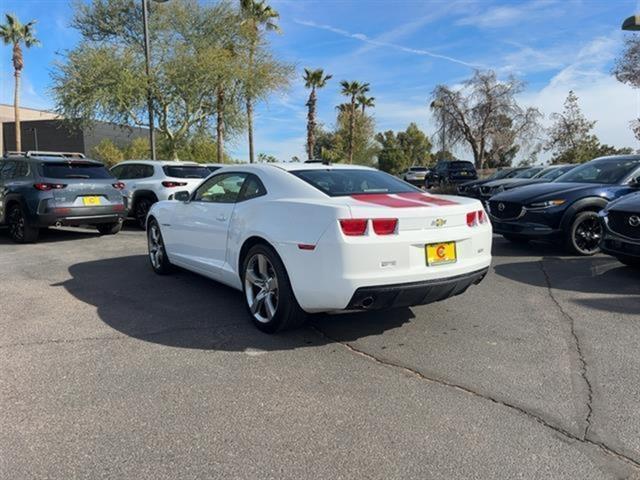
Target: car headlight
[[547, 204], [498, 189]]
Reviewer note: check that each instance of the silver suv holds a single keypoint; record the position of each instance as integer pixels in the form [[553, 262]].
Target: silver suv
[[148, 181]]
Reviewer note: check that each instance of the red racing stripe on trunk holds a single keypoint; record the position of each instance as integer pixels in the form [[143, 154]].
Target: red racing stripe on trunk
[[386, 200], [421, 197]]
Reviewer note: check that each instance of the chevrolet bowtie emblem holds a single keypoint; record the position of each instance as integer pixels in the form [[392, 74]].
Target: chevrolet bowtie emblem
[[438, 222]]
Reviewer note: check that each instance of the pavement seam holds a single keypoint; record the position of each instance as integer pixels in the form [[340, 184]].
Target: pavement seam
[[141, 336], [421, 376], [578, 348]]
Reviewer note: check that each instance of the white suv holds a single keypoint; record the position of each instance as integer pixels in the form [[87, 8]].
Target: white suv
[[147, 182]]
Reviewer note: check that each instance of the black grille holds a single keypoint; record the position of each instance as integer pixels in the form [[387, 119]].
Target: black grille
[[505, 210], [619, 223]]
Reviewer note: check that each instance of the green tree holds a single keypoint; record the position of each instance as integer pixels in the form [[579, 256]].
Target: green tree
[[313, 79], [16, 34], [400, 151], [415, 145], [365, 102], [352, 90], [354, 138], [391, 157], [258, 17], [264, 158], [107, 152], [101, 78], [138, 149], [569, 137]]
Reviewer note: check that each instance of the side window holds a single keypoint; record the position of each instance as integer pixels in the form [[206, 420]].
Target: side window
[[146, 171], [22, 170], [252, 188], [7, 170], [224, 188], [118, 171]]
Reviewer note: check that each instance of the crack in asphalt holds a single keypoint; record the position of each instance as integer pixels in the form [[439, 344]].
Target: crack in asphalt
[[578, 348], [421, 376]]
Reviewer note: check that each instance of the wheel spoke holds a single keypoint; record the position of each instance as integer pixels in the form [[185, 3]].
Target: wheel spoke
[[254, 279], [271, 309], [258, 301], [262, 265]]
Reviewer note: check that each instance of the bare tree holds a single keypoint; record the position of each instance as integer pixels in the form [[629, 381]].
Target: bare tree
[[627, 70], [475, 114]]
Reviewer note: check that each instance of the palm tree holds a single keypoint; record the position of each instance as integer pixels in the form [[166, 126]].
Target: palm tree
[[256, 15], [366, 102], [313, 79], [14, 33], [353, 90]]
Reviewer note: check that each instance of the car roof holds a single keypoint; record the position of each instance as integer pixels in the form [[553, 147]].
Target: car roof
[[162, 163], [612, 158], [45, 159], [294, 166]]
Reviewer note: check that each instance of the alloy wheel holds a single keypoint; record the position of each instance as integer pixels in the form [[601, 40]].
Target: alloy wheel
[[156, 246], [16, 224], [261, 288], [588, 234]]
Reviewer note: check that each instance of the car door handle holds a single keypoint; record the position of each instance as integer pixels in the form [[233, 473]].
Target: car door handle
[[222, 217]]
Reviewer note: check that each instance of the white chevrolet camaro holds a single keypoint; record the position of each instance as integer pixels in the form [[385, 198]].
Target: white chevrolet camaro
[[302, 238]]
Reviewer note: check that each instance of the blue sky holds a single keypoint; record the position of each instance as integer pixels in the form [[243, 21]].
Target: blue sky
[[403, 48]]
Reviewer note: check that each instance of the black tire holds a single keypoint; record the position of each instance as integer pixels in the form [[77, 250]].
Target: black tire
[[19, 229], [629, 261], [516, 239], [158, 257], [141, 209], [287, 312], [109, 228], [584, 234]]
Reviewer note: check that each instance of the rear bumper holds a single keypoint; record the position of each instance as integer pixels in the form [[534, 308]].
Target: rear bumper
[[79, 216], [414, 293]]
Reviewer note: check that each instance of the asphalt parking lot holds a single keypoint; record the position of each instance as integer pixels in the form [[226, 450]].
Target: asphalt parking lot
[[109, 371]]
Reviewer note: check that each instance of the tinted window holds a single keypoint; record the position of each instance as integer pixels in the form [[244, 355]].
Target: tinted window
[[223, 188], [22, 170], [499, 174], [554, 173], [252, 188], [461, 166], [341, 182], [528, 173], [74, 169], [418, 169], [186, 171], [7, 170], [118, 171], [601, 171]]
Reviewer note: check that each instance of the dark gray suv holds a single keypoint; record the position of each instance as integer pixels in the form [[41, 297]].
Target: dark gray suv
[[39, 190]]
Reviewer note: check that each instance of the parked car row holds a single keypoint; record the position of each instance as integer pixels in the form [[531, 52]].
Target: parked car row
[[585, 207]]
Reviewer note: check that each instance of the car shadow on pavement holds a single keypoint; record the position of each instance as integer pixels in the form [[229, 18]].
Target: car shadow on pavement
[[505, 248], [615, 286], [52, 235], [186, 310]]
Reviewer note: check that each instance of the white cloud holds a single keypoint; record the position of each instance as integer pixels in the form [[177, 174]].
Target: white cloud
[[507, 16]]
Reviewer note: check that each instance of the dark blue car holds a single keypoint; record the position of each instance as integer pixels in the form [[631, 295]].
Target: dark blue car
[[567, 208], [621, 225]]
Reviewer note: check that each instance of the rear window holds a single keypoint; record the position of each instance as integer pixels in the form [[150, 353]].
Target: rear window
[[186, 171], [74, 169], [341, 182], [461, 165], [418, 169]]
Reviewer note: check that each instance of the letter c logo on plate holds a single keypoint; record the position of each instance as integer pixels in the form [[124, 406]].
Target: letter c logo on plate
[[440, 251]]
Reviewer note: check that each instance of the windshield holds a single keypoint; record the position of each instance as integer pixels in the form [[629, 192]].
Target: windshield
[[553, 173], [186, 171], [504, 173], [74, 169], [601, 171], [461, 165], [528, 173], [341, 182]]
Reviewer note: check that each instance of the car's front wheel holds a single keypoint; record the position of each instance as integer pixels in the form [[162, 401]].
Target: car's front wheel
[[19, 229], [584, 234], [157, 251], [268, 294], [140, 211]]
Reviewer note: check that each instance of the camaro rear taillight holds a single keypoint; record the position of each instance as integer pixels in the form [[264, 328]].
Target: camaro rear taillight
[[476, 218], [353, 227], [173, 184], [384, 226], [49, 186], [119, 185]]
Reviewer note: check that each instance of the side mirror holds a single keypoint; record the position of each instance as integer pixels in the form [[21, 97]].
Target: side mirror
[[182, 196]]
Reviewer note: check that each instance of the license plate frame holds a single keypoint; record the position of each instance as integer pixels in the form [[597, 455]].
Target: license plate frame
[[91, 201], [441, 253]]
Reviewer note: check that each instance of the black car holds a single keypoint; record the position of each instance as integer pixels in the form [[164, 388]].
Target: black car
[[621, 226], [470, 188], [566, 209], [450, 172], [528, 176], [39, 190]]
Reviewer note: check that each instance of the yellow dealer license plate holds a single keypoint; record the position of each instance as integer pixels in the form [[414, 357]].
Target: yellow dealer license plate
[[90, 201], [440, 253]]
